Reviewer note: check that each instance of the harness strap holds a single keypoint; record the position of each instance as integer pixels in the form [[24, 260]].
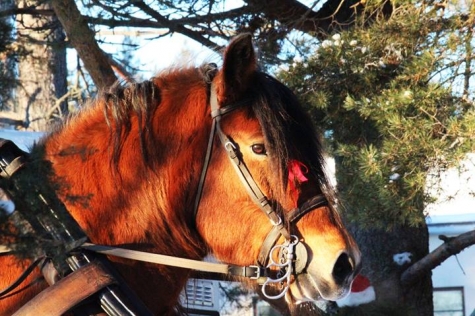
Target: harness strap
[[315, 202], [269, 242], [252, 272], [157, 258], [251, 186], [8, 290], [204, 170]]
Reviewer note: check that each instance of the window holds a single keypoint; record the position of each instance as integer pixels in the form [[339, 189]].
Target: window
[[449, 301]]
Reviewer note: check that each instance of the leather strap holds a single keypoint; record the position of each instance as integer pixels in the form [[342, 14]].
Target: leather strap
[[313, 203], [158, 259], [252, 272], [204, 170], [5, 292]]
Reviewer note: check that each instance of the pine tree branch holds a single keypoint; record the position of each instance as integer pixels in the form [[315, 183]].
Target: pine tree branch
[[450, 247]]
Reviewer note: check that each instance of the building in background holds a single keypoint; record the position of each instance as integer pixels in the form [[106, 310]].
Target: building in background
[[452, 214], [454, 279]]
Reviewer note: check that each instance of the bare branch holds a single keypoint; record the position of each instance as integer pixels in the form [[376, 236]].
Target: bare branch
[[295, 15], [12, 119], [120, 70], [173, 26], [218, 16], [449, 248]]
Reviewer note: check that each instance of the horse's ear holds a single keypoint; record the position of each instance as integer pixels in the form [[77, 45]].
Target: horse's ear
[[239, 65]]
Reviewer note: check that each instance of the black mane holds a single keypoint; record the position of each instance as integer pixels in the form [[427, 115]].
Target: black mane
[[120, 101], [287, 129]]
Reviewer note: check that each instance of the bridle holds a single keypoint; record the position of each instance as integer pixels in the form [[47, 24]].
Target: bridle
[[292, 253]]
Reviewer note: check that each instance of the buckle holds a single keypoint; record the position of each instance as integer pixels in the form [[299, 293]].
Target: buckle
[[256, 272], [252, 272], [275, 220]]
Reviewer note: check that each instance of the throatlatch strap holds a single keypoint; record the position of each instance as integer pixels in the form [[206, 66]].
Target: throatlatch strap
[[204, 170]]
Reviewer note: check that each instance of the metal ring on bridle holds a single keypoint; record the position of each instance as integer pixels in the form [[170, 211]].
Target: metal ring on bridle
[[286, 266]]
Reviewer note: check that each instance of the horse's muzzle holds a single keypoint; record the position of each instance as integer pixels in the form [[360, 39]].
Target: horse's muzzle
[[313, 286]]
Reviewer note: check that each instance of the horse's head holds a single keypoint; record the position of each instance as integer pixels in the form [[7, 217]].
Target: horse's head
[[265, 192]]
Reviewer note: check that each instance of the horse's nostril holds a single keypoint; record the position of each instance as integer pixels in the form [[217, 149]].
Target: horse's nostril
[[343, 267]]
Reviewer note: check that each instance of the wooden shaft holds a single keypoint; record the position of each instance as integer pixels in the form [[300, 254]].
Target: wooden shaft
[[69, 291]]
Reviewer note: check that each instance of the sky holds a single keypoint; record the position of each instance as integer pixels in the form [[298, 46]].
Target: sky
[[152, 55], [455, 193]]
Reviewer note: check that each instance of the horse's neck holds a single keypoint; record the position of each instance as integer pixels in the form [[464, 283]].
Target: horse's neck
[[131, 203]]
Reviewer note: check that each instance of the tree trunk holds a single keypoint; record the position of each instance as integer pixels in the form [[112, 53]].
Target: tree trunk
[[379, 248], [82, 39], [42, 70], [7, 62]]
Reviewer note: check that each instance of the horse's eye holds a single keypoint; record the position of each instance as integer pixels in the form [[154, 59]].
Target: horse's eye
[[259, 149]]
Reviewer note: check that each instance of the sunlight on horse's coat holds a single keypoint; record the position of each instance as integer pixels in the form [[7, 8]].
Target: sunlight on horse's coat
[[128, 168]]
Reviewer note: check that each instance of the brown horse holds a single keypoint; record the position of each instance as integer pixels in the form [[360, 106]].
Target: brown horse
[[128, 169]]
